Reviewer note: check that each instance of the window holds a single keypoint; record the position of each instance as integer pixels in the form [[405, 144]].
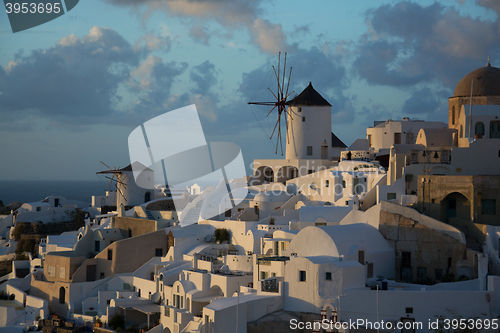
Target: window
[[51, 271], [409, 310], [328, 276], [62, 272], [406, 259], [263, 275], [187, 304], [62, 295], [97, 246], [343, 183], [421, 273], [300, 109], [206, 319], [479, 128], [309, 150], [108, 302], [327, 183], [102, 276], [167, 311], [110, 254], [159, 253], [391, 196], [488, 207], [438, 274], [361, 257], [38, 209], [227, 213], [369, 140], [303, 119], [461, 131], [453, 115], [397, 138], [302, 276]]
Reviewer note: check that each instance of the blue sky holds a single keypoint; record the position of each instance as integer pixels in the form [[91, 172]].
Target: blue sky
[[73, 89]]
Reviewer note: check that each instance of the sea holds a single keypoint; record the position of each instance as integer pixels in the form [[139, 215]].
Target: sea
[[37, 190]]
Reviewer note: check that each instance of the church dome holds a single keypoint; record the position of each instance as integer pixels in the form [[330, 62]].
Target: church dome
[[486, 82]]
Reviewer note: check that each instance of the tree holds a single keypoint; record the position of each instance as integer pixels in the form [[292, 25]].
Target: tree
[[221, 235], [117, 321]]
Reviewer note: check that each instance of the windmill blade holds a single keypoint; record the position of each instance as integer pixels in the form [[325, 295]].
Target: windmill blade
[[116, 180], [107, 186], [289, 77], [118, 189], [277, 79], [271, 111], [284, 71], [107, 166]]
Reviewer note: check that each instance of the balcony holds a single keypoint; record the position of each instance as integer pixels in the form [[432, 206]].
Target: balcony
[[429, 157]]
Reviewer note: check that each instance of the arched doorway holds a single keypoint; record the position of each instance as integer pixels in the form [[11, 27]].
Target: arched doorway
[[286, 173], [455, 205], [265, 174], [62, 295]]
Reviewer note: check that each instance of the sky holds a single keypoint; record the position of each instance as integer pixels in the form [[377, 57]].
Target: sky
[[73, 89]]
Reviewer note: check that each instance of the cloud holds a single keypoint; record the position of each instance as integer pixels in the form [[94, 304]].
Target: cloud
[[409, 44], [426, 101], [75, 79], [84, 80], [200, 34], [231, 14]]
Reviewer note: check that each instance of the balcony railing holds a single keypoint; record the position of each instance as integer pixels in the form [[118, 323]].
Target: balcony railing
[[270, 285], [429, 157]]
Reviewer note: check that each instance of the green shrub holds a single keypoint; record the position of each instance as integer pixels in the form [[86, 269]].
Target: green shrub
[[117, 321], [221, 235]]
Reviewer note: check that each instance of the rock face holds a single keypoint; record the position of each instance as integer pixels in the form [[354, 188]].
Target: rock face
[[5, 210], [279, 322]]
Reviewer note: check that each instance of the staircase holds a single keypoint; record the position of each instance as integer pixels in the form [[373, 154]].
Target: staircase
[[212, 205], [193, 214], [149, 215]]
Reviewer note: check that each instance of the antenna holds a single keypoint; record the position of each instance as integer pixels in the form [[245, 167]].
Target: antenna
[[470, 109]]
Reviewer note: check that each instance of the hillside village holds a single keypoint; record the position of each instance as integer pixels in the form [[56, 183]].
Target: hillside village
[[402, 226]]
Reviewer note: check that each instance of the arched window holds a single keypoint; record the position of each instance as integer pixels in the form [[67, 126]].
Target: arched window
[[461, 131], [453, 115], [480, 128], [62, 295]]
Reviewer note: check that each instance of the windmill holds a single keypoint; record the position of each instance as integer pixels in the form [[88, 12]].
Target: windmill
[[281, 102], [116, 174]]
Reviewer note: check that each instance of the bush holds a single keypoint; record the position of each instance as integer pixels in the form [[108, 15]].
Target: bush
[[12, 297], [117, 321], [18, 231], [221, 235]]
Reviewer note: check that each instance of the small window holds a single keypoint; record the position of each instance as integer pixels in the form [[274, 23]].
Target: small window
[[488, 207], [302, 276], [461, 131], [438, 274], [97, 246], [102, 276], [159, 253], [303, 119], [328, 276], [409, 310], [343, 183], [300, 109], [479, 128], [406, 259], [38, 209], [110, 254], [453, 115], [108, 302], [309, 150], [327, 183], [391, 196], [167, 311]]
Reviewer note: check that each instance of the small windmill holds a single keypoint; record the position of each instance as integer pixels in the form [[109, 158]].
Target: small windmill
[[116, 174], [281, 102]]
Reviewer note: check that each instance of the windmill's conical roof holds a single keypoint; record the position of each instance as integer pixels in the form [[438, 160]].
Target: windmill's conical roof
[[309, 97]]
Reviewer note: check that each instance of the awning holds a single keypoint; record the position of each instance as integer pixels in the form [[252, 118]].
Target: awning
[[144, 308]]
